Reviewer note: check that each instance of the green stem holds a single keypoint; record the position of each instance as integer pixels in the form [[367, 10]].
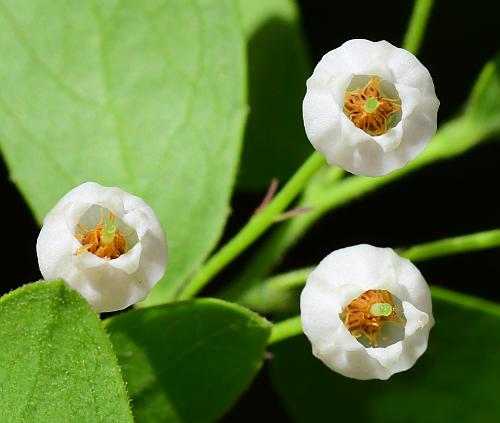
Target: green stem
[[285, 329], [464, 300], [455, 245], [273, 294], [255, 227], [478, 122], [418, 23], [288, 280], [454, 138], [284, 235]]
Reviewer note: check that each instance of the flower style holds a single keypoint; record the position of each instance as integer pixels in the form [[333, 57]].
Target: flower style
[[370, 107], [367, 312], [105, 243]]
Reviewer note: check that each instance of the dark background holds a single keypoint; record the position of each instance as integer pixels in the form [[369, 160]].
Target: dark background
[[454, 197]]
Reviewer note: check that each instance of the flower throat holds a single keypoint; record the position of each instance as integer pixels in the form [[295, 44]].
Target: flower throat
[[368, 109], [368, 313], [104, 241]]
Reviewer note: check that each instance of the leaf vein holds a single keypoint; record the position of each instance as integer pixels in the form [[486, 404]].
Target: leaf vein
[[44, 67], [109, 100]]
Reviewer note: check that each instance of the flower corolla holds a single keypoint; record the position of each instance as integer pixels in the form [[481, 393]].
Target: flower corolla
[[370, 107], [367, 312], [105, 243]]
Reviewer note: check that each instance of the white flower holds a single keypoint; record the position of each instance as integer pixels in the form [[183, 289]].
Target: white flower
[[370, 107], [367, 312], [105, 243]]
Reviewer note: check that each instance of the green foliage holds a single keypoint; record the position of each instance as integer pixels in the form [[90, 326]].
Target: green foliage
[[147, 96], [188, 362], [483, 104], [454, 380], [278, 66], [56, 362], [150, 96]]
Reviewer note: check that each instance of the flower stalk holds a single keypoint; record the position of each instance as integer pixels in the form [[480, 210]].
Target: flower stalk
[[275, 293], [418, 23], [285, 329], [291, 231], [455, 138], [256, 226]]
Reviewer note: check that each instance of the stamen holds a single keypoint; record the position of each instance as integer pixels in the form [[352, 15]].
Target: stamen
[[104, 241], [367, 314], [368, 109]]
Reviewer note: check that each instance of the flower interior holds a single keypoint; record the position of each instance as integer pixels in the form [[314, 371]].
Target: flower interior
[[367, 318], [368, 107], [105, 238]]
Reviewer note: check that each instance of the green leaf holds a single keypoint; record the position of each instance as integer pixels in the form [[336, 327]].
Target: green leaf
[[189, 361], [145, 95], [56, 362], [275, 141], [483, 104], [455, 380]]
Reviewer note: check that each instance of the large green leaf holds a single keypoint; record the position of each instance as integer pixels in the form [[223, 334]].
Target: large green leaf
[[457, 378], [278, 66], [56, 362], [188, 362], [145, 95]]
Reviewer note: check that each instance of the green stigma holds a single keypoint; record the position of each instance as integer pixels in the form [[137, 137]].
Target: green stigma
[[108, 231], [371, 104], [381, 309]]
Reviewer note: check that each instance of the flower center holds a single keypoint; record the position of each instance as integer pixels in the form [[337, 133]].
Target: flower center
[[104, 241], [367, 314], [368, 109]]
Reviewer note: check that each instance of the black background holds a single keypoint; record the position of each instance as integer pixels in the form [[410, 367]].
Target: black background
[[450, 198]]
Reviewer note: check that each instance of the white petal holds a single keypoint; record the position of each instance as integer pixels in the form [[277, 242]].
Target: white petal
[[341, 277], [415, 319], [85, 261], [55, 247], [365, 57], [129, 262], [388, 356], [153, 257], [338, 139], [391, 139], [107, 285]]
